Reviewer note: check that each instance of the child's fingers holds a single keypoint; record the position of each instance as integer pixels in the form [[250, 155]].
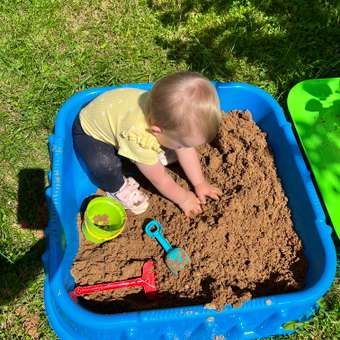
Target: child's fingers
[[195, 198], [214, 195], [193, 210], [196, 212], [197, 208], [217, 191], [198, 200], [192, 213], [202, 199]]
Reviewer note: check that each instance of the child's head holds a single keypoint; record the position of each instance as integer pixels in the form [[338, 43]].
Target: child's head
[[183, 110]]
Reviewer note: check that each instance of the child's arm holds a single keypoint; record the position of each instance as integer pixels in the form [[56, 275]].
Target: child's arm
[[164, 183], [188, 159]]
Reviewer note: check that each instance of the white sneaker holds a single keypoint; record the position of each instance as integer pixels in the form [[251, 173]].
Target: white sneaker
[[131, 197]]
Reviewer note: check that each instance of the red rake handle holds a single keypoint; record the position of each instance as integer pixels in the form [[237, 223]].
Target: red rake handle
[[109, 286]]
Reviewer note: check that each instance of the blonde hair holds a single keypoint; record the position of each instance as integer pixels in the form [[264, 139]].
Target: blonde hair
[[184, 103]]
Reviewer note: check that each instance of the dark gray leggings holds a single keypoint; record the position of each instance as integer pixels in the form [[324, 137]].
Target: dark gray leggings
[[102, 163]]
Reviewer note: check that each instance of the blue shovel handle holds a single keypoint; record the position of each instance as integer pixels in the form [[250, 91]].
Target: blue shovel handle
[[154, 230]]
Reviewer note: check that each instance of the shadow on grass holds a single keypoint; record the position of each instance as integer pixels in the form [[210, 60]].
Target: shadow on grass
[[32, 210], [305, 46], [31, 214], [17, 276]]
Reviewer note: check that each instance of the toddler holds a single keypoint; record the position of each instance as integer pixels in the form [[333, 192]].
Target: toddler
[[180, 113]]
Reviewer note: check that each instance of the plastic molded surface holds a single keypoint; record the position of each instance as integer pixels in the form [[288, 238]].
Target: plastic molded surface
[[260, 317], [315, 109]]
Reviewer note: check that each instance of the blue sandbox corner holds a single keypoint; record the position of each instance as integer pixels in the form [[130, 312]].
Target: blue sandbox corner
[[259, 317]]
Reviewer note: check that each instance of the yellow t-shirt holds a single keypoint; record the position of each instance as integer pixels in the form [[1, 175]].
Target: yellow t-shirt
[[116, 117]]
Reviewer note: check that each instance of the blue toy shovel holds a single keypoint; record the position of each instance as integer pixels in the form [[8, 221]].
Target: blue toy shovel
[[176, 258]]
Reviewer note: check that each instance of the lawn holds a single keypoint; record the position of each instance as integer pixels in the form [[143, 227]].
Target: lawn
[[50, 49]]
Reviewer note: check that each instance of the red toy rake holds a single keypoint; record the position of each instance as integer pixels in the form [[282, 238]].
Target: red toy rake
[[147, 281]]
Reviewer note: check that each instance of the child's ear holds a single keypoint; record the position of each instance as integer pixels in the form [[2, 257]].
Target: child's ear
[[155, 130]]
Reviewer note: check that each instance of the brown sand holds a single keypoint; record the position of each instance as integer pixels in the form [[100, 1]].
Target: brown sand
[[241, 247]]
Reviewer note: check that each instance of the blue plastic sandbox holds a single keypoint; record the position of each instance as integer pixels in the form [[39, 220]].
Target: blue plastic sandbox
[[259, 317]]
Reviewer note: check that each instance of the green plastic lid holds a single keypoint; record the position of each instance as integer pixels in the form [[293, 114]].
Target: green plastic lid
[[314, 106]]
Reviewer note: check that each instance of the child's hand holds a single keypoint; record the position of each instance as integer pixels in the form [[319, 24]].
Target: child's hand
[[205, 189], [191, 205]]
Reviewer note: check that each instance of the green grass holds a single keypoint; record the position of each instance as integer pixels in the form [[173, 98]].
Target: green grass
[[50, 49]]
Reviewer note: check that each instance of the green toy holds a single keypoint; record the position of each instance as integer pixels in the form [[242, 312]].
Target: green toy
[[104, 219], [315, 109]]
